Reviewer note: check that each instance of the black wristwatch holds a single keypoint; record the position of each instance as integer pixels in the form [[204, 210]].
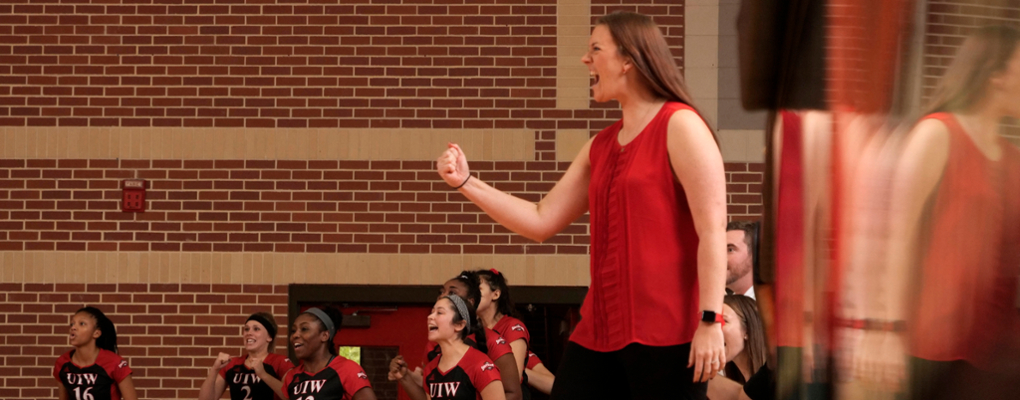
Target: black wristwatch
[[711, 316]]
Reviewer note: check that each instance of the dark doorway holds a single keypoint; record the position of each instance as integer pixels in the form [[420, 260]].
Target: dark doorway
[[382, 321]]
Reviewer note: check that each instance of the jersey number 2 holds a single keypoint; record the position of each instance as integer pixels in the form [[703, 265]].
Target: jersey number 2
[[247, 392], [78, 395]]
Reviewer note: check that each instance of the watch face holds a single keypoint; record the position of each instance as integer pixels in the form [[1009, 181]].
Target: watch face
[[708, 316]]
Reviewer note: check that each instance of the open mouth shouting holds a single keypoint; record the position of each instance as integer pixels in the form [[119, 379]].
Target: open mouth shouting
[[433, 331]]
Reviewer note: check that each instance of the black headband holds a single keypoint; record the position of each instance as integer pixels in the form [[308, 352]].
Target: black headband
[[265, 324]]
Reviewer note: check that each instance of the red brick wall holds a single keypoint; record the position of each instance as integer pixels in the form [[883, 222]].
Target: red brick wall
[[275, 206], [278, 64], [201, 63], [168, 333], [204, 63], [949, 22], [332, 64], [743, 189], [283, 206]]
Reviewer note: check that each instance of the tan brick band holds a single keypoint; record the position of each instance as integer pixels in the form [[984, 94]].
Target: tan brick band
[[573, 26], [263, 144], [281, 268]]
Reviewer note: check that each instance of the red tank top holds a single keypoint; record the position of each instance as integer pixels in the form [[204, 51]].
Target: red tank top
[[969, 262], [644, 269]]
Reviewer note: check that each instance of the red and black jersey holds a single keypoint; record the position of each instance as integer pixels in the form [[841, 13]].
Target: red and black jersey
[[497, 346], [340, 380], [245, 385], [512, 329], [465, 381], [533, 360], [93, 382]]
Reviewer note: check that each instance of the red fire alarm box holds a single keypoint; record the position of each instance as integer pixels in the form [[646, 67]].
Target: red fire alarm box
[[134, 195]]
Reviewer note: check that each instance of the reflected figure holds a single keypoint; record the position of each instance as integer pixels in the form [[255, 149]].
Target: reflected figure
[[946, 295]]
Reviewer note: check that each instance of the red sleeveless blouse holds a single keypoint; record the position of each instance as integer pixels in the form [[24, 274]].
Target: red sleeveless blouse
[[969, 256], [644, 267]]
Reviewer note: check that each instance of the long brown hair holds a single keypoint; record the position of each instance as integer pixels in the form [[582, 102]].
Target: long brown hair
[[747, 312], [640, 40], [985, 52]]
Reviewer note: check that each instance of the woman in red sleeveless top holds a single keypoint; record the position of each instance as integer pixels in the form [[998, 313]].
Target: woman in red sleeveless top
[[955, 215], [655, 188]]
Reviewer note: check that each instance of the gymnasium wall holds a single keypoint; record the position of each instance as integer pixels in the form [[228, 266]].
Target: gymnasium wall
[[283, 142], [292, 142]]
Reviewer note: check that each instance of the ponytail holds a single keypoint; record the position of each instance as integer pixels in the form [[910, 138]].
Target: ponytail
[[496, 281], [108, 333], [471, 280]]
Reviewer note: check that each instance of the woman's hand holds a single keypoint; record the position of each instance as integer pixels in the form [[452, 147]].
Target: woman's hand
[[221, 361], [398, 369], [255, 364], [452, 165], [707, 353]]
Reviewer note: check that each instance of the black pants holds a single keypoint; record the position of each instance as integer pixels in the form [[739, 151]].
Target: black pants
[[636, 372]]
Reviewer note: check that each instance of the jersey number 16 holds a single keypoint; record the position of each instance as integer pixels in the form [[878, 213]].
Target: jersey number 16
[[79, 395]]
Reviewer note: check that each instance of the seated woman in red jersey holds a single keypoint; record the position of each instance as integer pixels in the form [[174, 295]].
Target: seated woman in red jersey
[[322, 374], [256, 375], [496, 310], [539, 377], [466, 285], [460, 372], [93, 370]]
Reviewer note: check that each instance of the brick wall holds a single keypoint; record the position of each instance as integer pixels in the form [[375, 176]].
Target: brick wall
[[283, 206], [383, 64], [169, 333], [949, 22], [260, 206], [202, 63], [206, 63], [743, 188], [278, 64]]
